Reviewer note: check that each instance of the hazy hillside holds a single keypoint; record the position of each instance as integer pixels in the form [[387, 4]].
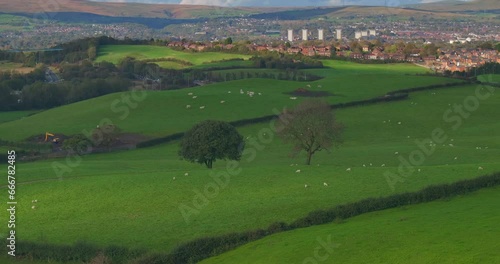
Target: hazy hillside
[[197, 11], [460, 6]]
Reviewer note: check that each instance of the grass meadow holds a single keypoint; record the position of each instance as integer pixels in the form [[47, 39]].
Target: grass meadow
[[115, 53], [131, 198]]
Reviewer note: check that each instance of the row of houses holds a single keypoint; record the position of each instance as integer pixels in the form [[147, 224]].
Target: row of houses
[[463, 59]]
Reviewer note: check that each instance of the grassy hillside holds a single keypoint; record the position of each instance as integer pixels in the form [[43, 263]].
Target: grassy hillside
[[115, 53], [137, 187], [164, 113], [461, 6], [462, 230], [127, 9]]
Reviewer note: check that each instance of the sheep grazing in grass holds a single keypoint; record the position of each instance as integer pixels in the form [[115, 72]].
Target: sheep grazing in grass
[[305, 186], [480, 168], [188, 106], [399, 123], [396, 153], [202, 107], [222, 102], [291, 164], [293, 98], [451, 145], [297, 171], [186, 174], [34, 201], [241, 91], [384, 121], [419, 170], [371, 164], [173, 178], [190, 94], [456, 158], [228, 92], [308, 85], [325, 184], [383, 165], [364, 165], [260, 93], [348, 169], [33, 207], [194, 97]]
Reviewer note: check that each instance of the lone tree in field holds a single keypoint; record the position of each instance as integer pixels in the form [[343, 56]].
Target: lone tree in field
[[310, 126], [211, 140]]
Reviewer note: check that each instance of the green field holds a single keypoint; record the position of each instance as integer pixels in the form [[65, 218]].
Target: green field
[[163, 113], [491, 78], [115, 53], [14, 115], [130, 198], [462, 230]]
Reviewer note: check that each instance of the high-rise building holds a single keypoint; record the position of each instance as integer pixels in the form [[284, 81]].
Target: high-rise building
[[290, 35], [321, 34], [339, 34], [357, 34], [373, 32], [364, 33], [304, 34]]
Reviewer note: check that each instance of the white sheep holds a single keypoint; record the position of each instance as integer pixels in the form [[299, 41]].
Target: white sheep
[[241, 91], [186, 174], [308, 85], [228, 92], [371, 164], [419, 170], [260, 93], [325, 184], [173, 178], [399, 123], [33, 207], [456, 158], [396, 153], [319, 86], [293, 98], [202, 107], [348, 169], [188, 106], [364, 165], [305, 186], [190, 94], [222, 102], [194, 97], [383, 165], [297, 171], [451, 145], [480, 168]]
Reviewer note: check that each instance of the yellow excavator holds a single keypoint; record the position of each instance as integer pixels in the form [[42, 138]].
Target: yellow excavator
[[54, 140]]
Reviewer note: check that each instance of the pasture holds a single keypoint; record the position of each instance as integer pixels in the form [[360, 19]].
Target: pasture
[[123, 181], [162, 113], [115, 53], [491, 78], [461, 230], [131, 198]]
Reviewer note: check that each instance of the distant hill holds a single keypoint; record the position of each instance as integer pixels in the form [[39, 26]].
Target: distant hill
[[125, 9], [461, 6], [174, 11]]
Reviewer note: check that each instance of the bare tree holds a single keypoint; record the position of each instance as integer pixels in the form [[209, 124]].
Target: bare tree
[[310, 126]]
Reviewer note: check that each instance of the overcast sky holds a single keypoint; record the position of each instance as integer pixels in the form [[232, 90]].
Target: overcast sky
[[281, 2]]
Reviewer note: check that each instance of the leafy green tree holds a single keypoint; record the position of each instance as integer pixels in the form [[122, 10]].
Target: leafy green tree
[[228, 41], [310, 126], [211, 140], [78, 144]]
